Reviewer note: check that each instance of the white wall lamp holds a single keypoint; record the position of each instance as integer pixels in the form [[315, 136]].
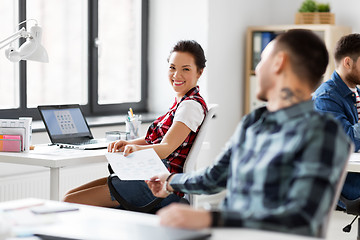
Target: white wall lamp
[[31, 49]]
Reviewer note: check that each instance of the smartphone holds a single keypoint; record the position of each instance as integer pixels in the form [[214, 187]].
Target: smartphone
[[53, 209]]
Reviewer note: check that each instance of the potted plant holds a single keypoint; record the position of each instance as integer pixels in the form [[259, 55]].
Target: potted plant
[[323, 7], [324, 14], [312, 12], [308, 6]]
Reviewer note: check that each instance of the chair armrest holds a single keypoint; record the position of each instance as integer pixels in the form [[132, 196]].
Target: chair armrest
[[352, 206]]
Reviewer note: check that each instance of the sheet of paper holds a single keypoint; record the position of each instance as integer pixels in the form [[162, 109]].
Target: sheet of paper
[[140, 165]]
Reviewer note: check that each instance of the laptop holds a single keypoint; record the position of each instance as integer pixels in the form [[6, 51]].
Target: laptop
[[67, 127]]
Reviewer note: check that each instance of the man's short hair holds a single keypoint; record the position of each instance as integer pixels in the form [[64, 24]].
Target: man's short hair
[[307, 52], [348, 46]]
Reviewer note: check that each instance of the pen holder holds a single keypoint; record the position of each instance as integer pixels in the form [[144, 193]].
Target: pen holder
[[133, 127]]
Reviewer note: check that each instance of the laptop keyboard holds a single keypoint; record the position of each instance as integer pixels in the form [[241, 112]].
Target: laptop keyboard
[[90, 141]]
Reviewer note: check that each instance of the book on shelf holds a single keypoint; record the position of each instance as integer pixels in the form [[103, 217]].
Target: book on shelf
[[256, 49], [266, 37], [260, 41]]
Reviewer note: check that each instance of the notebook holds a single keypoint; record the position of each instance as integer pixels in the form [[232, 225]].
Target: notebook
[[67, 127]]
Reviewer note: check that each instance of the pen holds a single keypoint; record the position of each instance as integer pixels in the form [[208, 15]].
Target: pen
[[131, 113], [23, 207]]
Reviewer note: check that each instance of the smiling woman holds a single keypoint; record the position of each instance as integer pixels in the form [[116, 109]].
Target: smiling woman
[[186, 65], [171, 136], [183, 73]]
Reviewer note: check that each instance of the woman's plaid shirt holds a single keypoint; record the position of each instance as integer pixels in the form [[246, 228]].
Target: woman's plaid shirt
[[160, 126]]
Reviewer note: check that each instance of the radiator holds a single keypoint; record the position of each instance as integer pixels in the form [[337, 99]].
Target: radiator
[[37, 184], [23, 186]]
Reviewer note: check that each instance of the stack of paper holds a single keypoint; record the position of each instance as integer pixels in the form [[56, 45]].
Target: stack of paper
[[139, 165], [19, 127]]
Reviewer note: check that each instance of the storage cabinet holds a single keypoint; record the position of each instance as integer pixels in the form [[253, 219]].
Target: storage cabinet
[[258, 36]]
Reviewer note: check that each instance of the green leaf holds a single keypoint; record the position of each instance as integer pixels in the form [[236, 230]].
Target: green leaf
[[323, 7], [308, 6]]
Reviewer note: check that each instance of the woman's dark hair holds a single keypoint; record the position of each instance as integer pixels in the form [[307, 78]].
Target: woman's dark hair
[[192, 47], [348, 46]]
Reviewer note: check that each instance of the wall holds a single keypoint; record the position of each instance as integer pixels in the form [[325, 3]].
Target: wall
[[220, 26], [347, 13], [227, 28], [169, 22]]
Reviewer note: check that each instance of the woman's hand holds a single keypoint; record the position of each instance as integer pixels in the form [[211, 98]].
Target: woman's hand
[[183, 216], [156, 185], [117, 146], [130, 148]]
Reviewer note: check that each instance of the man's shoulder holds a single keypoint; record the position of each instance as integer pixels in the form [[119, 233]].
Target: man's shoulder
[[254, 115], [323, 126], [324, 121], [321, 116], [328, 87]]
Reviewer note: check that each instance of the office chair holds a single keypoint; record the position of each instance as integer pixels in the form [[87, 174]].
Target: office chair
[[191, 160], [352, 208], [339, 186], [189, 165]]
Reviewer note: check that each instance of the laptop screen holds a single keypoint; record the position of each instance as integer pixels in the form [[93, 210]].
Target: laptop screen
[[64, 122]]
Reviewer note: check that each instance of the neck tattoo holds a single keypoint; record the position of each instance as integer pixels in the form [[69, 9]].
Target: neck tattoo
[[290, 96]]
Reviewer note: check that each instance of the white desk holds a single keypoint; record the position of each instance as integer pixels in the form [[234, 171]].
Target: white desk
[[354, 163], [251, 234], [54, 158], [104, 223]]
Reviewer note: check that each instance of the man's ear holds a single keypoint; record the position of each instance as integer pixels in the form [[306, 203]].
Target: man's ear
[[279, 61], [347, 62]]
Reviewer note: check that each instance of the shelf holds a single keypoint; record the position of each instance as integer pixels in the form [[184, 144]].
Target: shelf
[[329, 33]]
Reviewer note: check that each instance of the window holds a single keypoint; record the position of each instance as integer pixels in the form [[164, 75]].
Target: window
[[97, 57], [9, 85], [64, 79], [120, 51]]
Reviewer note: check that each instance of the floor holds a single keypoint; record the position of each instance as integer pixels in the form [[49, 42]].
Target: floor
[[337, 222]]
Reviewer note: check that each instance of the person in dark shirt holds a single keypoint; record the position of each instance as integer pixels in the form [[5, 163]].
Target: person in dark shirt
[[339, 96]]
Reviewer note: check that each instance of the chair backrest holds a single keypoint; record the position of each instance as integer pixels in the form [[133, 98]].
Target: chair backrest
[[190, 162], [339, 186]]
